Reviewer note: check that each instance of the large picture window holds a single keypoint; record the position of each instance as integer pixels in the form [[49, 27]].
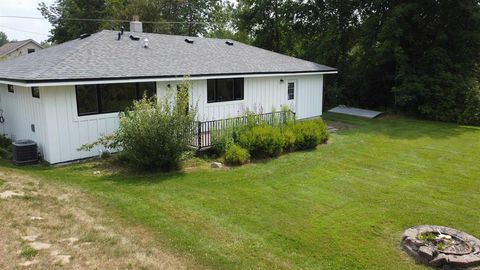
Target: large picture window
[[221, 90], [108, 98]]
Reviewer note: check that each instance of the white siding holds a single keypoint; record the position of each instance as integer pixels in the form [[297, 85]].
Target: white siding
[[60, 131], [67, 131], [21, 111], [261, 95]]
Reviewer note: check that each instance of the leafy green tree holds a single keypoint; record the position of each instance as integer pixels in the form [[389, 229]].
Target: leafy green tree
[[183, 17], [3, 38], [63, 15], [267, 22]]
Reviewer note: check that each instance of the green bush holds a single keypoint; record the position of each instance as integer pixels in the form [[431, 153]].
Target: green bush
[[6, 153], [236, 155], [154, 135], [5, 142], [262, 141], [289, 138], [323, 130], [5, 147], [221, 141], [309, 134]]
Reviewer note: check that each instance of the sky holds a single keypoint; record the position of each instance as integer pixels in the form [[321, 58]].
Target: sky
[[21, 29]]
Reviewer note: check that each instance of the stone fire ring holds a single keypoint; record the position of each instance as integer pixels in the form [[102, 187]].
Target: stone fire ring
[[421, 250]]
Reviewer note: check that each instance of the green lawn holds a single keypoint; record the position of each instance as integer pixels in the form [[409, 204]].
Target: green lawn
[[343, 206]]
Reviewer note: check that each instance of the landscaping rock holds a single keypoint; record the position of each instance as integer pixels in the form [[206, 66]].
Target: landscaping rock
[[442, 247], [9, 194], [332, 129], [40, 245], [216, 165], [426, 252], [439, 260]]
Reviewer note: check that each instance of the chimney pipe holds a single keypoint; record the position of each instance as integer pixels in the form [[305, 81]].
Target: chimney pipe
[[135, 25]]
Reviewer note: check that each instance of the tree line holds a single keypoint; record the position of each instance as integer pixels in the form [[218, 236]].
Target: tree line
[[416, 57]]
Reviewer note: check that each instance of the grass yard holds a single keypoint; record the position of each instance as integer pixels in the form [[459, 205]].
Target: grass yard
[[342, 206]]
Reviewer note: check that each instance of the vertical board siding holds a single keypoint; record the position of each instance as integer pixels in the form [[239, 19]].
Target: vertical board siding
[[60, 131], [20, 111], [67, 131]]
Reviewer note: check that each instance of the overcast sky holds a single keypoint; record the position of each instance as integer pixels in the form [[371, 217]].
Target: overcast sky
[[20, 29]]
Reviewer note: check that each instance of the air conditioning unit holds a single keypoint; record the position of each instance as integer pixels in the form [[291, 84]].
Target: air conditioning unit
[[25, 152]]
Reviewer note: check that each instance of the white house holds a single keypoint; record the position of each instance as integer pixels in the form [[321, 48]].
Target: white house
[[19, 48], [70, 94]]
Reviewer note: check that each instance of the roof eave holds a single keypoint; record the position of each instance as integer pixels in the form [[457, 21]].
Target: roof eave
[[57, 82]]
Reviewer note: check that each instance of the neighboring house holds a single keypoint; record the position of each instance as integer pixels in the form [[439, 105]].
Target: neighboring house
[[70, 94], [19, 48]]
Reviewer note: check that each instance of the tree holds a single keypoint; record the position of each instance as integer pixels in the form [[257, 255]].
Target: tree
[[3, 38], [267, 22], [182, 17], [64, 15]]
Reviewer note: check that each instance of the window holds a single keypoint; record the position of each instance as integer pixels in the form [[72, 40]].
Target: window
[[117, 97], [109, 98], [87, 99], [10, 88], [291, 90], [221, 90], [30, 50], [35, 92], [148, 89]]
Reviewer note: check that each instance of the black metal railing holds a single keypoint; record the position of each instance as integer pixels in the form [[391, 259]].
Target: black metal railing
[[203, 131]]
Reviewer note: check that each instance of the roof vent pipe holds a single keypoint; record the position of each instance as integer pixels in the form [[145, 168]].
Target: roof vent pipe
[[136, 25], [121, 30], [119, 35], [145, 43], [82, 36]]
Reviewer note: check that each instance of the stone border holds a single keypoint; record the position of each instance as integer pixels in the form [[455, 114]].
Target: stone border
[[423, 253]]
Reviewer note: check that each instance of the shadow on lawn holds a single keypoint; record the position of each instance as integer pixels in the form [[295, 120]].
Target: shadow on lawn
[[399, 127]]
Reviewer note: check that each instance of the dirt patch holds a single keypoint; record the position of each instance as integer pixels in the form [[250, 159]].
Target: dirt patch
[[339, 126], [58, 227]]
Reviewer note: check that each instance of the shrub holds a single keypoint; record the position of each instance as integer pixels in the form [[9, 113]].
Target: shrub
[[236, 155], [323, 130], [5, 142], [6, 153], [154, 134], [289, 138], [309, 134], [262, 141], [221, 141]]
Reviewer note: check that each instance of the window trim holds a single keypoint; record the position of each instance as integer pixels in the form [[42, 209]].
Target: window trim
[[293, 90], [99, 98], [10, 88], [33, 89], [233, 94]]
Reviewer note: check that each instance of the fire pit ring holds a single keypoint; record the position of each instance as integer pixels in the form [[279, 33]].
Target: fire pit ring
[[440, 246]]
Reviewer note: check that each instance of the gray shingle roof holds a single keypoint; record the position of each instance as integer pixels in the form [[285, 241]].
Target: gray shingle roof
[[102, 56]]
